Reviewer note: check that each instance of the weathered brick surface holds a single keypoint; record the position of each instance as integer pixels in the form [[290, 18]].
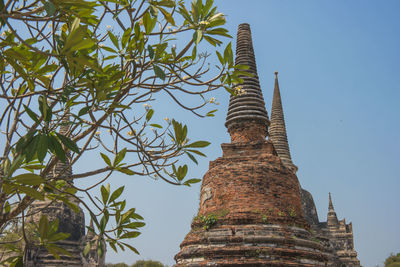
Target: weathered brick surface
[[249, 182], [248, 131], [250, 206], [259, 219]]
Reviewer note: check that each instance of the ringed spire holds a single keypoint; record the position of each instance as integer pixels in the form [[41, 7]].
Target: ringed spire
[[277, 132], [248, 105]]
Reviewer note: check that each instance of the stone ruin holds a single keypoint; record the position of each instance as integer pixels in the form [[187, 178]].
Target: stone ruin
[[69, 222], [253, 211]]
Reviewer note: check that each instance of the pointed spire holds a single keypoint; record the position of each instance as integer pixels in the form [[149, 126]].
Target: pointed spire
[[277, 132], [63, 167], [330, 202], [332, 217], [248, 106]]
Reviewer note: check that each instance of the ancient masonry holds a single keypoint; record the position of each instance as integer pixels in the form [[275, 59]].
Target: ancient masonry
[[69, 222], [253, 211]]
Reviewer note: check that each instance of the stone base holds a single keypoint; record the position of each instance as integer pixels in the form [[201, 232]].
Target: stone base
[[251, 245], [39, 256]]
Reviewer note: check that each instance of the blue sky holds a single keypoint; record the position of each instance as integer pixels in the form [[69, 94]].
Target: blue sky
[[339, 74]]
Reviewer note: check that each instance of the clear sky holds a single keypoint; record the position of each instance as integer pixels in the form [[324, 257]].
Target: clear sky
[[339, 74]]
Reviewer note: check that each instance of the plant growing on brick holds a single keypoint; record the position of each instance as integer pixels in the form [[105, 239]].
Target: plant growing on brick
[[265, 219], [292, 212], [73, 86], [209, 221]]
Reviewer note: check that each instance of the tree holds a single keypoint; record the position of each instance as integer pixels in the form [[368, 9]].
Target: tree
[[117, 265], [72, 85], [147, 263], [393, 260], [139, 263]]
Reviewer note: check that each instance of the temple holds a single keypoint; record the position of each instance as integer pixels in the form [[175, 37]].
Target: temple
[[337, 236], [253, 211], [70, 221]]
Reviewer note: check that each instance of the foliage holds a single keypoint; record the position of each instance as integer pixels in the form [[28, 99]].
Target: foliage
[[209, 221], [139, 263], [393, 260], [74, 87], [147, 263], [117, 265]]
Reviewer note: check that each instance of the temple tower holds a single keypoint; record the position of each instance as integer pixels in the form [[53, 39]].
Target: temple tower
[[340, 237], [332, 220], [70, 221], [336, 236], [250, 207], [277, 132]]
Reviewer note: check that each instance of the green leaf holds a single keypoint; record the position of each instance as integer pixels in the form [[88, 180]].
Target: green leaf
[[198, 144], [56, 251], [134, 225], [87, 248], [219, 31], [132, 234], [44, 226], [228, 55], [159, 72], [212, 40], [50, 8], [168, 17], [105, 193], [106, 159], [194, 52], [148, 22], [47, 68], [112, 245], [125, 37], [131, 248], [150, 113], [211, 113], [31, 148], [197, 152], [151, 51], [68, 143], [114, 39], [56, 148], [29, 179], [221, 59], [30, 192], [32, 114], [197, 36], [44, 108], [192, 157], [58, 236], [83, 111], [166, 3], [119, 157], [116, 194], [126, 171], [156, 125], [191, 181]]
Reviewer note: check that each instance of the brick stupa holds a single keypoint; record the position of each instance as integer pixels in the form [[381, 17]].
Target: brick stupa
[[250, 206], [70, 222]]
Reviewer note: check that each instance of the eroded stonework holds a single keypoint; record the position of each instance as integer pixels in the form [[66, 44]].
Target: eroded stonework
[[250, 209], [253, 211], [70, 221], [336, 235]]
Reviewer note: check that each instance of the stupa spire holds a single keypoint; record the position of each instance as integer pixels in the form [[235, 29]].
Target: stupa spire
[[277, 132], [246, 112], [332, 220], [63, 168], [330, 202]]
